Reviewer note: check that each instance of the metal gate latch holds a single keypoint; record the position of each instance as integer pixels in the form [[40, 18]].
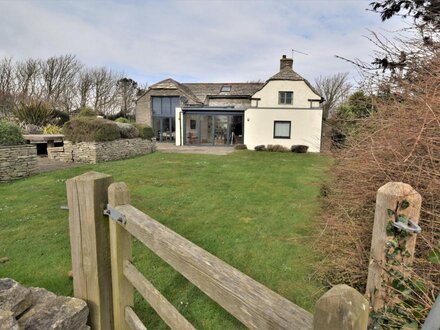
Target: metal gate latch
[[115, 215], [411, 227]]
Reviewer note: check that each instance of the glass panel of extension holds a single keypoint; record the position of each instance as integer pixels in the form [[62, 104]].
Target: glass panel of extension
[[212, 128]]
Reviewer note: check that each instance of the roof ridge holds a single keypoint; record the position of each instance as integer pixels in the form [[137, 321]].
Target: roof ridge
[[223, 83], [287, 73]]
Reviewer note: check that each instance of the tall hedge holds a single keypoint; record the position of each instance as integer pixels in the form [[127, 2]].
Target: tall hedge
[[10, 134], [89, 129]]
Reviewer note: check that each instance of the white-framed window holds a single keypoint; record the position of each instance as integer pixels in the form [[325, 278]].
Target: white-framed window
[[281, 129], [285, 97], [226, 89]]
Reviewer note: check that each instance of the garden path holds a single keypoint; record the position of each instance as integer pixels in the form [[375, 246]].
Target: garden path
[[46, 165], [203, 150]]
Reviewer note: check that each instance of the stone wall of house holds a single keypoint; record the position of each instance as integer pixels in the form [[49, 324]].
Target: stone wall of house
[[240, 103], [96, 152], [37, 308], [17, 162]]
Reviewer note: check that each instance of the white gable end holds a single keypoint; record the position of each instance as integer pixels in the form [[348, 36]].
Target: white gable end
[[270, 98]]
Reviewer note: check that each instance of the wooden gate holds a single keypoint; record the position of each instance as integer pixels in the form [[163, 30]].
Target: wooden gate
[[105, 277]]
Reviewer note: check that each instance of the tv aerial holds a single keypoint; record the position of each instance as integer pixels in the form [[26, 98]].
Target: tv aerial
[[297, 51]]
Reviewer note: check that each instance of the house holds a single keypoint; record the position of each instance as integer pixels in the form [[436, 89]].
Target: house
[[284, 110]]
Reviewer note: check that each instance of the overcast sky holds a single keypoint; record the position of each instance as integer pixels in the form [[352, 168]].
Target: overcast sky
[[193, 41]]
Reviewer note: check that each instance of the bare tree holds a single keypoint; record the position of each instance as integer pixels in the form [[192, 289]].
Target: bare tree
[[104, 88], [85, 85], [7, 84], [7, 87], [28, 79], [126, 94], [66, 84], [334, 89], [59, 77]]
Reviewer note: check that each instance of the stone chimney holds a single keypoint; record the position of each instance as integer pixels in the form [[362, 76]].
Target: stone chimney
[[286, 62]]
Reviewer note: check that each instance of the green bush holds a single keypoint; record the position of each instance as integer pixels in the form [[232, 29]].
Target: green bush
[[60, 117], [276, 148], [52, 129], [122, 120], [34, 113], [10, 134], [240, 147], [145, 131], [87, 112], [299, 148], [128, 131], [82, 129]]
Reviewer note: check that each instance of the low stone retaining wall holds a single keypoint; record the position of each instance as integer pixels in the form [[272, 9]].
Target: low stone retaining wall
[[37, 308], [95, 152], [17, 162]]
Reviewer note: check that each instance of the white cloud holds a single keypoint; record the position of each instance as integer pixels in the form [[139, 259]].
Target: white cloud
[[192, 40]]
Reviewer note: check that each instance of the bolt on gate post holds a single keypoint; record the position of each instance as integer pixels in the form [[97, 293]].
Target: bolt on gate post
[[90, 245], [397, 206]]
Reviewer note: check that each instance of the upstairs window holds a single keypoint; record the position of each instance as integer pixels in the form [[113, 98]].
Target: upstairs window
[[281, 129], [165, 106], [285, 98], [226, 89]]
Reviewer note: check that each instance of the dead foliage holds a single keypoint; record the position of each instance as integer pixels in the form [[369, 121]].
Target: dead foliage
[[398, 142]]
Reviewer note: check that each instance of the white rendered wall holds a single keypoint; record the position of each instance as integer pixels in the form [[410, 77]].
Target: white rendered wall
[[301, 94], [305, 127]]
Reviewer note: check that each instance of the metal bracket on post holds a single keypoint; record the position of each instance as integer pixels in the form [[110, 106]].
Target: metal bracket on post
[[411, 227], [115, 215]]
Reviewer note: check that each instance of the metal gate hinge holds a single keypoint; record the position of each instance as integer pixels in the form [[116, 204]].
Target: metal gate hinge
[[115, 214]]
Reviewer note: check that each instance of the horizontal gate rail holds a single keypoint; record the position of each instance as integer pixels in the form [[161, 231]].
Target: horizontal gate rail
[[252, 303]]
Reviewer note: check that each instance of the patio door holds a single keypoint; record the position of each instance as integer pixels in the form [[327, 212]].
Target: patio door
[[221, 130], [164, 110], [206, 130], [165, 129]]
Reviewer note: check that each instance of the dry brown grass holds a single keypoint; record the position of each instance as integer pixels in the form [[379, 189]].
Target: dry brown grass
[[399, 142]]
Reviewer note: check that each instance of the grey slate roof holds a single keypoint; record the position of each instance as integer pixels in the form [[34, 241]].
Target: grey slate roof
[[204, 90], [287, 73], [198, 93], [173, 84]]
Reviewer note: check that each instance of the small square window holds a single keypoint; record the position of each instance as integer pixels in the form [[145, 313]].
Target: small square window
[[285, 98], [226, 89], [281, 129], [193, 124]]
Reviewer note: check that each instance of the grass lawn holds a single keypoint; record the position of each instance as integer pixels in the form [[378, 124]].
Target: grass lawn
[[256, 211]]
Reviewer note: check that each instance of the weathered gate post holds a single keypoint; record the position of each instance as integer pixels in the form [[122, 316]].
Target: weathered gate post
[[120, 239], [393, 240], [341, 308], [90, 245]]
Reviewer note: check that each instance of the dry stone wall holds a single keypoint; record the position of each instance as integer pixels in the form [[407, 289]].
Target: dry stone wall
[[17, 162], [96, 152], [37, 308]]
